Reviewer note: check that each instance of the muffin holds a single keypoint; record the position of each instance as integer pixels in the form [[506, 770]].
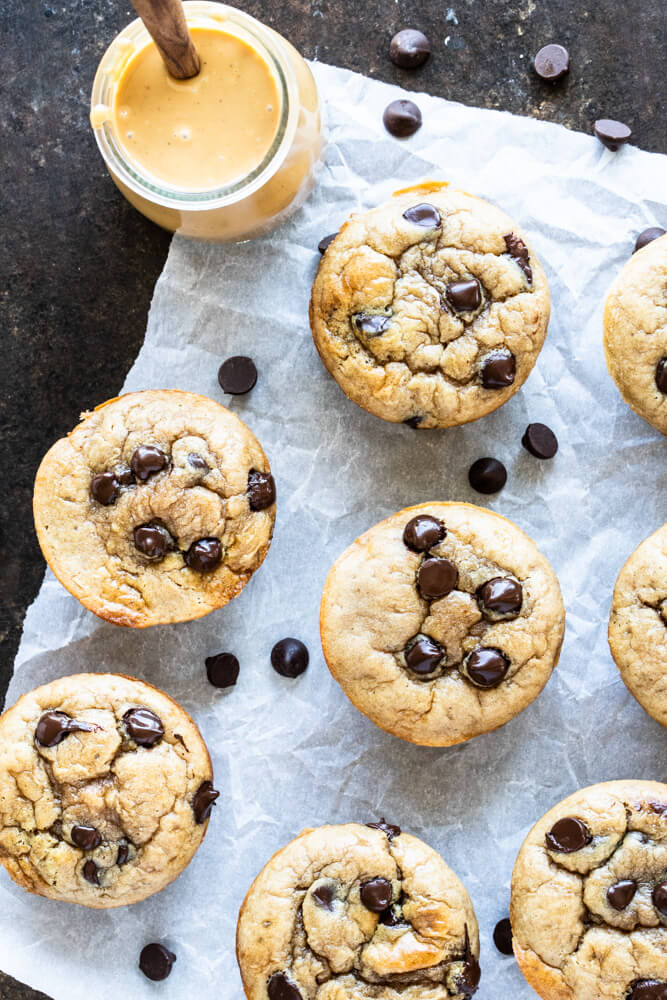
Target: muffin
[[158, 507], [105, 790]]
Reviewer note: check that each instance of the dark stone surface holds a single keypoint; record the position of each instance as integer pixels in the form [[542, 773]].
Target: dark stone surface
[[78, 265]]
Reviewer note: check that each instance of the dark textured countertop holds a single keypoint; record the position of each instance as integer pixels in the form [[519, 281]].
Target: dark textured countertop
[[78, 265]]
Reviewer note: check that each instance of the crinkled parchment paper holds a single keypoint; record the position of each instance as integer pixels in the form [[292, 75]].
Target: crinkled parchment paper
[[291, 754]]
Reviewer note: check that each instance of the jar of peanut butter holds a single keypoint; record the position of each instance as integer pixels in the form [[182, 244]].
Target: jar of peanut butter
[[224, 156]]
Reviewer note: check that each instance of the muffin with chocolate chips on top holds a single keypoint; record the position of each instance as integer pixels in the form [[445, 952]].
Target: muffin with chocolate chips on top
[[357, 912], [442, 622], [430, 309], [158, 507], [106, 788]]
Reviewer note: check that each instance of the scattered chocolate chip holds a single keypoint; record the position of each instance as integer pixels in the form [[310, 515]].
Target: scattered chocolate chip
[[487, 475], [280, 987], [501, 597], [517, 249], [204, 555], [222, 670], [156, 961], [147, 460], [125, 477], [376, 895], [237, 375], [540, 441], [502, 936], [389, 829], [409, 48], [423, 215], [53, 727], [648, 989], [647, 236], [611, 134], [372, 324], [85, 837], [485, 667], [622, 893], [436, 578], [552, 62], [498, 369], [90, 872], [568, 835], [326, 242], [464, 296], [402, 118], [661, 376], [471, 972], [197, 461], [324, 895], [123, 855], [143, 726], [289, 657], [204, 800], [424, 655], [261, 490], [423, 532], [391, 917], [659, 897], [413, 422], [152, 540], [105, 488]]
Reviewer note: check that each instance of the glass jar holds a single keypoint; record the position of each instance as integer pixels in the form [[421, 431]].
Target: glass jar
[[251, 205]]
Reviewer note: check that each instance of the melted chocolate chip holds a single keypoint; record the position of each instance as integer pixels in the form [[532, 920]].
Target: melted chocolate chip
[[421, 533], [464, 296], [487, 475], [661, 376], [85, 837], [324, 895], [647, 236], [198, 462], [436, 578], [409, 49], [261, 490], [485, 667], [501, 597], [123, 855], [326, 242], [125, 477], [502, 937], [203, 801], [424, 655], [152, 540], [237, 375], [471, 972], [147, 460], [372, 324], [156, 961], [540, 441], [105, 488], [391, 917], [648, 989], [222, 670], [143, 726], [552, 62], [612, 134], [659, 898], [376, 895], [622, 893], [53, 727], [413, 422], [281, 987], [402, 118], [568, 835], [90, 872], [517, 249], [498, 369], [659, 808], [204, 555], [423, 215], [289, 657], [389, 829]]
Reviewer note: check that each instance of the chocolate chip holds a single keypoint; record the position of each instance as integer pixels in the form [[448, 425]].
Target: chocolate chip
[[123, 855], [402, 118], [143, 726], [372, 324], [289, 657], [90, 872], [105, 488], [659, 808], [501, 597], [324, 895], [487, 475], [203, 801], [648, 989], [53, 727], [647, 236], [389, 829], [661, 376], [485, 667], [622, 893], [152, 540], [147, 460], [540, 441], [471, 972], [464, 296], [502, 937], [261, 490], [125, 477], [436, 578], [197, 462], [413, 422], [280, 987], [552, 62], [156, 961], [85, 837], [659, 897], [237, 375], [326, 242], [409, 49], [222, 670], [498, 369], [611, 134], [424, 655], [391, 917], [568, 835], [517, 249], [376, 895], [204, 555], [423, 215], [423, 532]]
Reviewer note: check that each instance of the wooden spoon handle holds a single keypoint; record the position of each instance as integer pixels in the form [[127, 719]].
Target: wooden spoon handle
[[165, 21]]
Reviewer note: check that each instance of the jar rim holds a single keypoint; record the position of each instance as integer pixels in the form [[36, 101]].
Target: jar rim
[[133, 38]]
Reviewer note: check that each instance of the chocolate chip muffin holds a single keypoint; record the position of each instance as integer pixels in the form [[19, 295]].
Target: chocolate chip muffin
[[430, 309], [157, 508], [357, 912], [635, 333], [442, 622], [589, 896], [638, 624], [105, 790]]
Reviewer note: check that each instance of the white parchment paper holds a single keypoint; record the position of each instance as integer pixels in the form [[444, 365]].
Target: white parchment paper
[[290, 754]]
